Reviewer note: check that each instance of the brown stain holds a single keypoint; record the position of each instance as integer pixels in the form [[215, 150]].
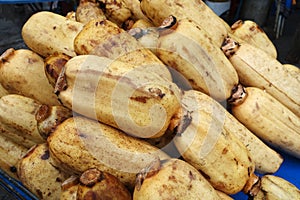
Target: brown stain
[[250, 171], [185, 122], [46, 155], [179, 4], [192, 81], [72, 28], [171, 90], [162, 190], [257, 106], [94, 43], [43, 113], [249, 158], [225, 175], [61, 83], [220, 186], [236, 161], [39, 193], [84, 49], [225, 150], [191, 176], [259, 29], [287, 143], [31, 60], [82, 135], [141, 99], [252, 28], [172, 178], [58, 179], [174, 166]]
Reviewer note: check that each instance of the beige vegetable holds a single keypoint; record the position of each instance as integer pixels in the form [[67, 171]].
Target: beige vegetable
[[265, 158], [78, 144], [258, 69], [204, 142], [26, 121], [119, 11], [87, 10], [10, 154], [115, 11], [37, 172], [22, 72], [277, 188], [267, 118], [104, 38], [195, 10], [186, 47], [249, 31], [47, 32], [131, 98], [17, 116], [172, 179], [95, 184]]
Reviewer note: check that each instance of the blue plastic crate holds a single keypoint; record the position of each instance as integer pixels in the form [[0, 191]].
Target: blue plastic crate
[[12, 189]]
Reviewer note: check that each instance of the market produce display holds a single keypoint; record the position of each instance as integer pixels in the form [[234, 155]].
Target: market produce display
[[147, 100]]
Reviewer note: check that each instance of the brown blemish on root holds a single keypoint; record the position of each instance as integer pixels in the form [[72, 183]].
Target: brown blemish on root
[[225, 150], [184, 123], [46, 155], [42, 113], [61, 83], [73, 28], [141, 99], [172, 178], [191, 176]]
